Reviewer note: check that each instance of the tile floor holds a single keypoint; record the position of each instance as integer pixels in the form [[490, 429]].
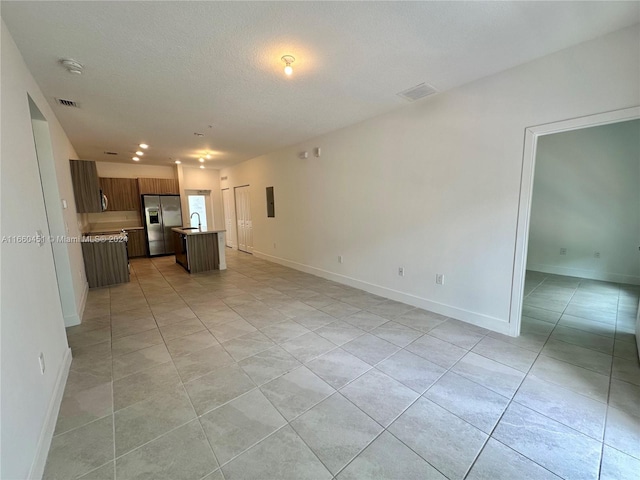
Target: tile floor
[[263, 372]]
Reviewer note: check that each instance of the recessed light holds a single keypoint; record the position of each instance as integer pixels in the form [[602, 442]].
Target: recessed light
[[178, 162], [201, 160], [201, 166], [143, 145], [207, 156], [135, 159], [139, 153]]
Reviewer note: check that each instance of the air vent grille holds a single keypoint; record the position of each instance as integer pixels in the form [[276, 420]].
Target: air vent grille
[[110, 153], [67, 103], [419, 91]]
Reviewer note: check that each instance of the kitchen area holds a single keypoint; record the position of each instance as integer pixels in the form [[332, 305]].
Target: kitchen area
[[129, 211]]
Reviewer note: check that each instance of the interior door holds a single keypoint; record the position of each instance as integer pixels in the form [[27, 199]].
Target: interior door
[[228, 216], [243, 216]]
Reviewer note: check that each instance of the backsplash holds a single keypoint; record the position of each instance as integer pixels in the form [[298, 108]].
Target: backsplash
[[128, 219]]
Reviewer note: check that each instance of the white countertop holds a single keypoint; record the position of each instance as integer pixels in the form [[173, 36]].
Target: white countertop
[[197, 231]]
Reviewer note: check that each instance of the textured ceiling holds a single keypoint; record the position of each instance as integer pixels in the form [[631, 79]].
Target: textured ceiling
[[157, 72]]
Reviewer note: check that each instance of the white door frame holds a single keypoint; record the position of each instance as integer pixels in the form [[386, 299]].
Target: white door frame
[[526, 190], [245, 201], [227, 213]]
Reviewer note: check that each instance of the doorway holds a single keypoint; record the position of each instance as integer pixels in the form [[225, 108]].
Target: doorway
[[532, 136], [228, 217], [243, 219], [55, 218]]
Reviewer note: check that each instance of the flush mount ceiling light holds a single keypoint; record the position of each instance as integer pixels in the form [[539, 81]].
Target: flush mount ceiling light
[[201, 166], [143, 145], [178, 162], [201, 160], [288, 60], [139, 152], [135, 159], [72, 66]]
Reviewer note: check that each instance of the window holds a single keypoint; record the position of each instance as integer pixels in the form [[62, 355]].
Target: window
[[198, 204]]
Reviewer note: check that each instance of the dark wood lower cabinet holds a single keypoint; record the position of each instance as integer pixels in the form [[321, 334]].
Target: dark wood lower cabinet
[[105, 263], [137, 244]]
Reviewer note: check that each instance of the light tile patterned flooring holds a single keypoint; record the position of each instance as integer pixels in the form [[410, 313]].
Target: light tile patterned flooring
[[263, 372]]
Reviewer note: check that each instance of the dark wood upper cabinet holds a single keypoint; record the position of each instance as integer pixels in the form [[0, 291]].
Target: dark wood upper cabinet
[[86, 187], [122, 194], [158, 186]]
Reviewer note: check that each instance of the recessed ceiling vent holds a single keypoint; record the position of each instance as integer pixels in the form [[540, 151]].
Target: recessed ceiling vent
[[419, 91], [67, 103], [110, 153]]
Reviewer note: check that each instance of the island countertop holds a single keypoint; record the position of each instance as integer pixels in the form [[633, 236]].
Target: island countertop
[[195, 231]]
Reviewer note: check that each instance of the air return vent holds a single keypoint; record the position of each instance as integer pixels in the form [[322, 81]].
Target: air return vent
[[67, 103], [416, 93], [110, 153]]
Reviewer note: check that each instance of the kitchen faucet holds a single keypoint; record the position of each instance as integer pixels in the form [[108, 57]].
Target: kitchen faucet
[[199, 225]]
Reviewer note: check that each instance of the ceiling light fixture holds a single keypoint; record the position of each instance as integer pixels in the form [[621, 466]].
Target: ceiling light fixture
[[135, 159], [139, 152], [201, 166], [72, 66], [201, 160], [143, 145], [178, 162], [208, 156], [288, 60]]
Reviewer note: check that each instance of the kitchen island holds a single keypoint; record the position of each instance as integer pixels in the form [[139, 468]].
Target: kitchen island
[[199, 249]]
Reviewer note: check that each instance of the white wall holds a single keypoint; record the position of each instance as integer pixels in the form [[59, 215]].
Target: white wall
[[194, 178], [30, 309], [586, 198], [434, 186]]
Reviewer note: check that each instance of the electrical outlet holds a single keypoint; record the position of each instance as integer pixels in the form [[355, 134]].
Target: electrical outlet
[[596, 254], [439, 278], [563, 251], [401, 271], [41, 360], [340, 259]]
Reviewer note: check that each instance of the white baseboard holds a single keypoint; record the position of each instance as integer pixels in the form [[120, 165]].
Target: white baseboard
[[582, 273], [479, 319], [46, 434], [76, 318]]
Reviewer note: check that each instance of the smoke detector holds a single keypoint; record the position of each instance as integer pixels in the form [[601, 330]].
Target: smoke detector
[[72, 66]]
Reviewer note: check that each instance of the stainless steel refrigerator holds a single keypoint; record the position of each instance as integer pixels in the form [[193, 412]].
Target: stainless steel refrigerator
[[161, 214]]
